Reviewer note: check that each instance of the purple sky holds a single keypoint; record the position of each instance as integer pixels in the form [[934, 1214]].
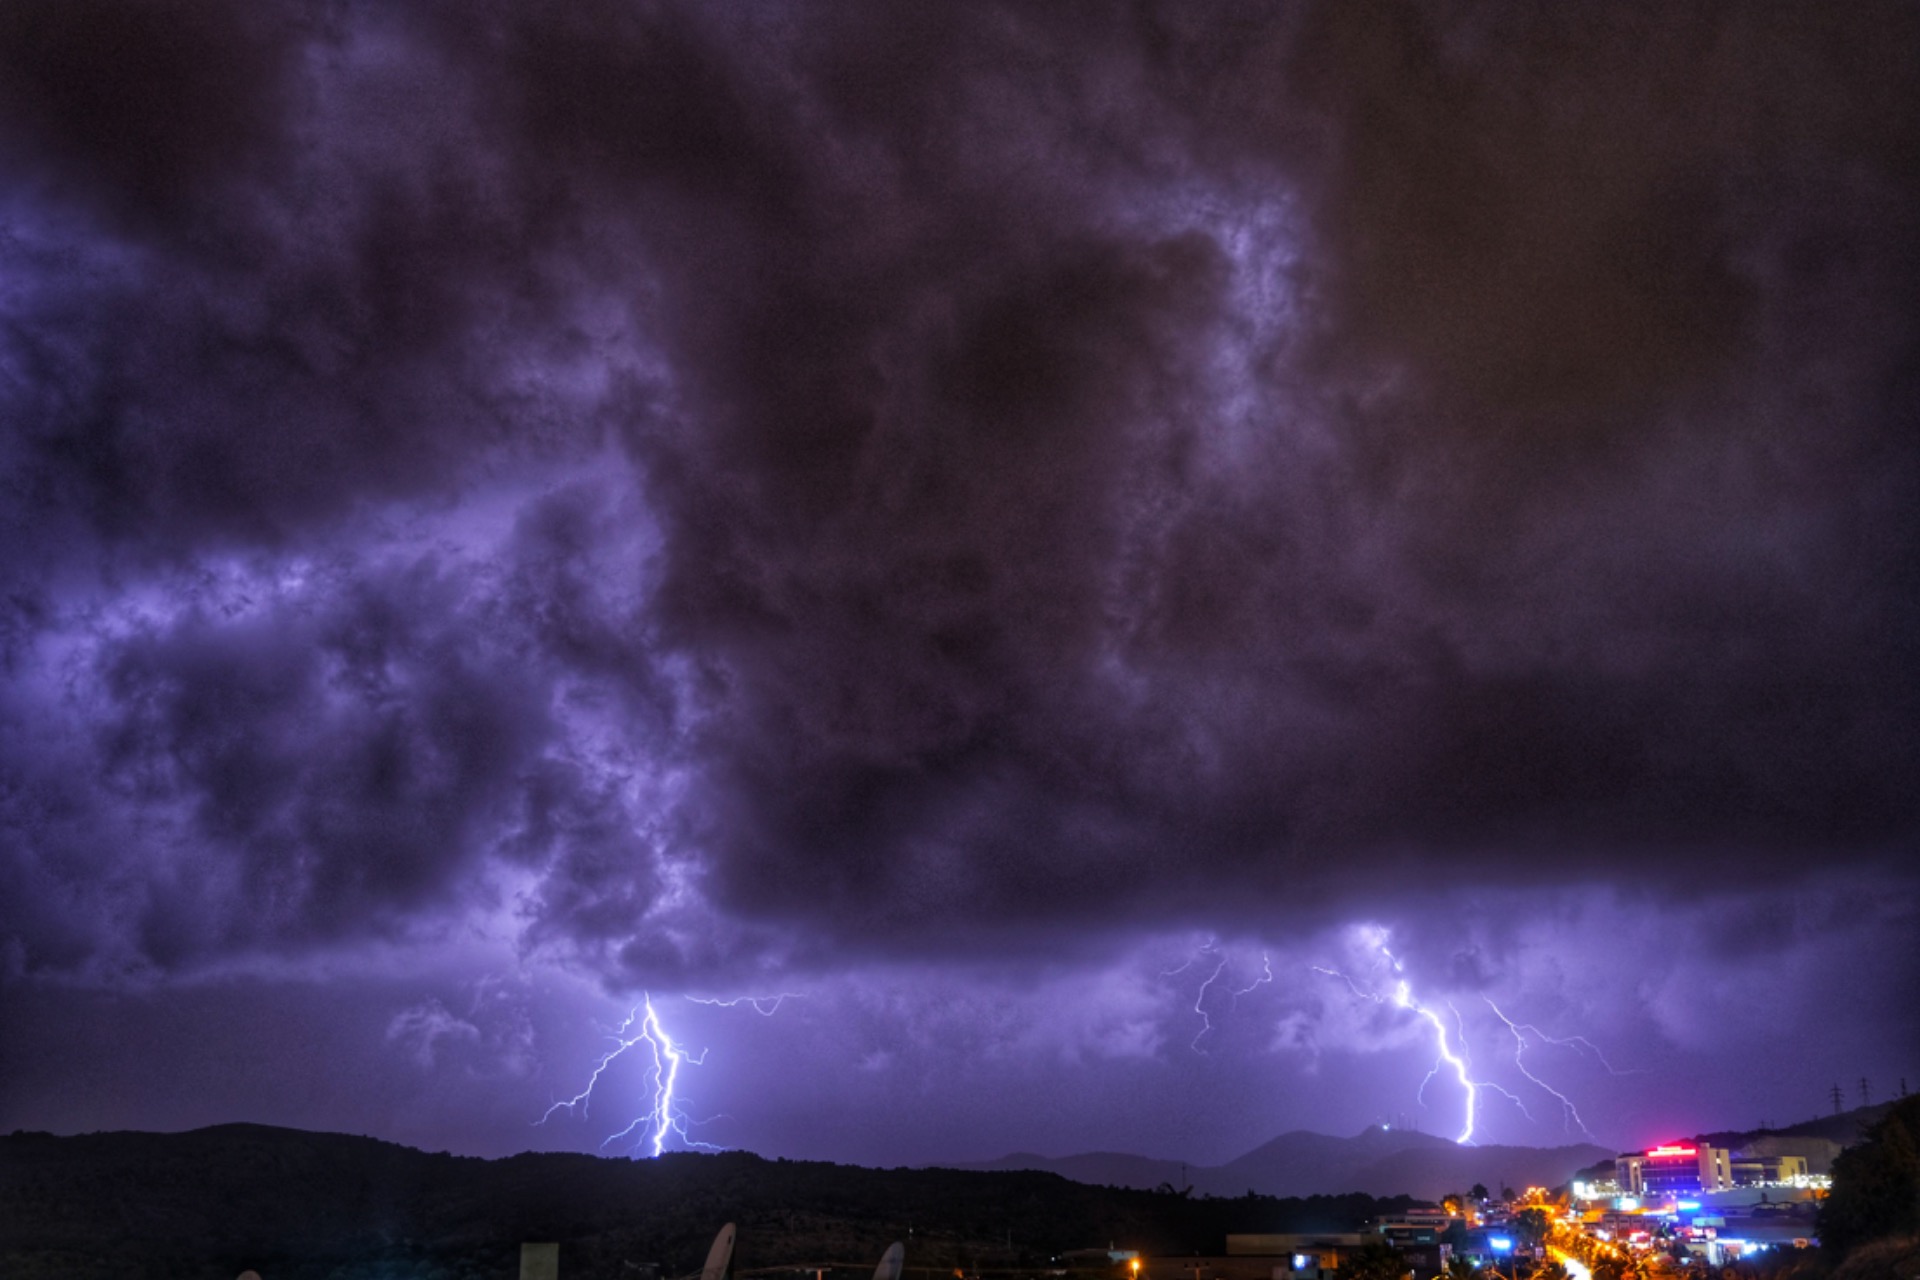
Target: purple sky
[[1005, 525]]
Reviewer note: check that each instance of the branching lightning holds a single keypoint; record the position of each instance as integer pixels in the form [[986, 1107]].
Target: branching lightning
[[1351, 984], [583, 1100], [1403, 997], [1579, 1044], [1233, 995], [664, 1116], [1458, 1064], [1460, 1025], [1569, 1114], [765, 1006]]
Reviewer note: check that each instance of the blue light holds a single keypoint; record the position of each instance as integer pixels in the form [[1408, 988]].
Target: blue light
[[1501, 1244], [1685, 1205]]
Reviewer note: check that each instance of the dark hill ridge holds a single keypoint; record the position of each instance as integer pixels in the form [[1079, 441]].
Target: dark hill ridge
[[1845, 1128], [1376, 1161], [296, 1206]]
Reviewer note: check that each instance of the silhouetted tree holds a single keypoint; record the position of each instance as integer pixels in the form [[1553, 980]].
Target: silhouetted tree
[[1530, 1226], [1374, 1260], [1618, 1266], [1876, 1185]]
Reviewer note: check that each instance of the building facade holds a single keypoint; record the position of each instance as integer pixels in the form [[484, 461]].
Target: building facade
[[1675, 1169]]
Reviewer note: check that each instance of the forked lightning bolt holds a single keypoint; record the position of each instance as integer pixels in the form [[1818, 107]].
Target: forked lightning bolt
[[1403, 997], [1568, 1112], [1455, 1063], [664, 1116], [1233, 995], [1579, 1044]]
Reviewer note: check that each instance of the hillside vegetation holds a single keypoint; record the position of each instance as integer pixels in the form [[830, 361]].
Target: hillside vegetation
[[313, 1206]]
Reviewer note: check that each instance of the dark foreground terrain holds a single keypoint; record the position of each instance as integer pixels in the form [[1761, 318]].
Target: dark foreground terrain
[[316, 1206]]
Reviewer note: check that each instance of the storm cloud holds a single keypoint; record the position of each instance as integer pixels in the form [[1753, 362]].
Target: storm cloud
[[716, 493]]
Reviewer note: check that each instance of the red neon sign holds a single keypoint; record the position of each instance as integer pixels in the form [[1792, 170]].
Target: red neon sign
[[1673, 1151]]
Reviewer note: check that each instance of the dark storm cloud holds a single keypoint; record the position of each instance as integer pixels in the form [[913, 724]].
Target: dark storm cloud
[[300, 776], [121, 105], [995, 634], [1066, 466], [259, 274]]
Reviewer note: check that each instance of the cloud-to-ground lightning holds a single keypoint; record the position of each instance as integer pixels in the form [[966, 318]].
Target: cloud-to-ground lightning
[[663, 1116], [1456, 1064], [1568, 1112], [1403, 997]]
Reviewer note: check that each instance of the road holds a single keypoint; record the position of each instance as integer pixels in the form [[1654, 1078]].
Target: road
[[1576, 1269]]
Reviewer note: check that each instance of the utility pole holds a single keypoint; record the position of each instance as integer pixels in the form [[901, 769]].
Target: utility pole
[[1835, 1091], [1903, 1086], [1866, 1097]]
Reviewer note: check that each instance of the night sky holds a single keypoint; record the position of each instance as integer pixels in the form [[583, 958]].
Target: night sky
[[1032, 532]]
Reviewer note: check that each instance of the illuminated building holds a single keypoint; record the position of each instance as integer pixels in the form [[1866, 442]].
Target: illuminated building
[[1675, 1168], [1417, 1226], [1310, 1256], [1261, 1257], [1751, 1170], [1817, 1152], [1605, 1189]]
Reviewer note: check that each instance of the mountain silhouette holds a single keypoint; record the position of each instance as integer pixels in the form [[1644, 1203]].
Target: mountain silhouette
[[1376, 1161], [294, 1205]]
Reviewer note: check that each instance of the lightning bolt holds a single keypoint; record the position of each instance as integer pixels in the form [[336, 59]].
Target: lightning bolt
[[665, 1073], [583, 1100], [1580, 1044], [1458, 1065], [1233, 995], [1403, 997], [765, 1006], [1191, 961], [1199, 1003], [1354, 986], [1266, 976], [663, 1116], [1460, 1027], [1568, 1112]]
